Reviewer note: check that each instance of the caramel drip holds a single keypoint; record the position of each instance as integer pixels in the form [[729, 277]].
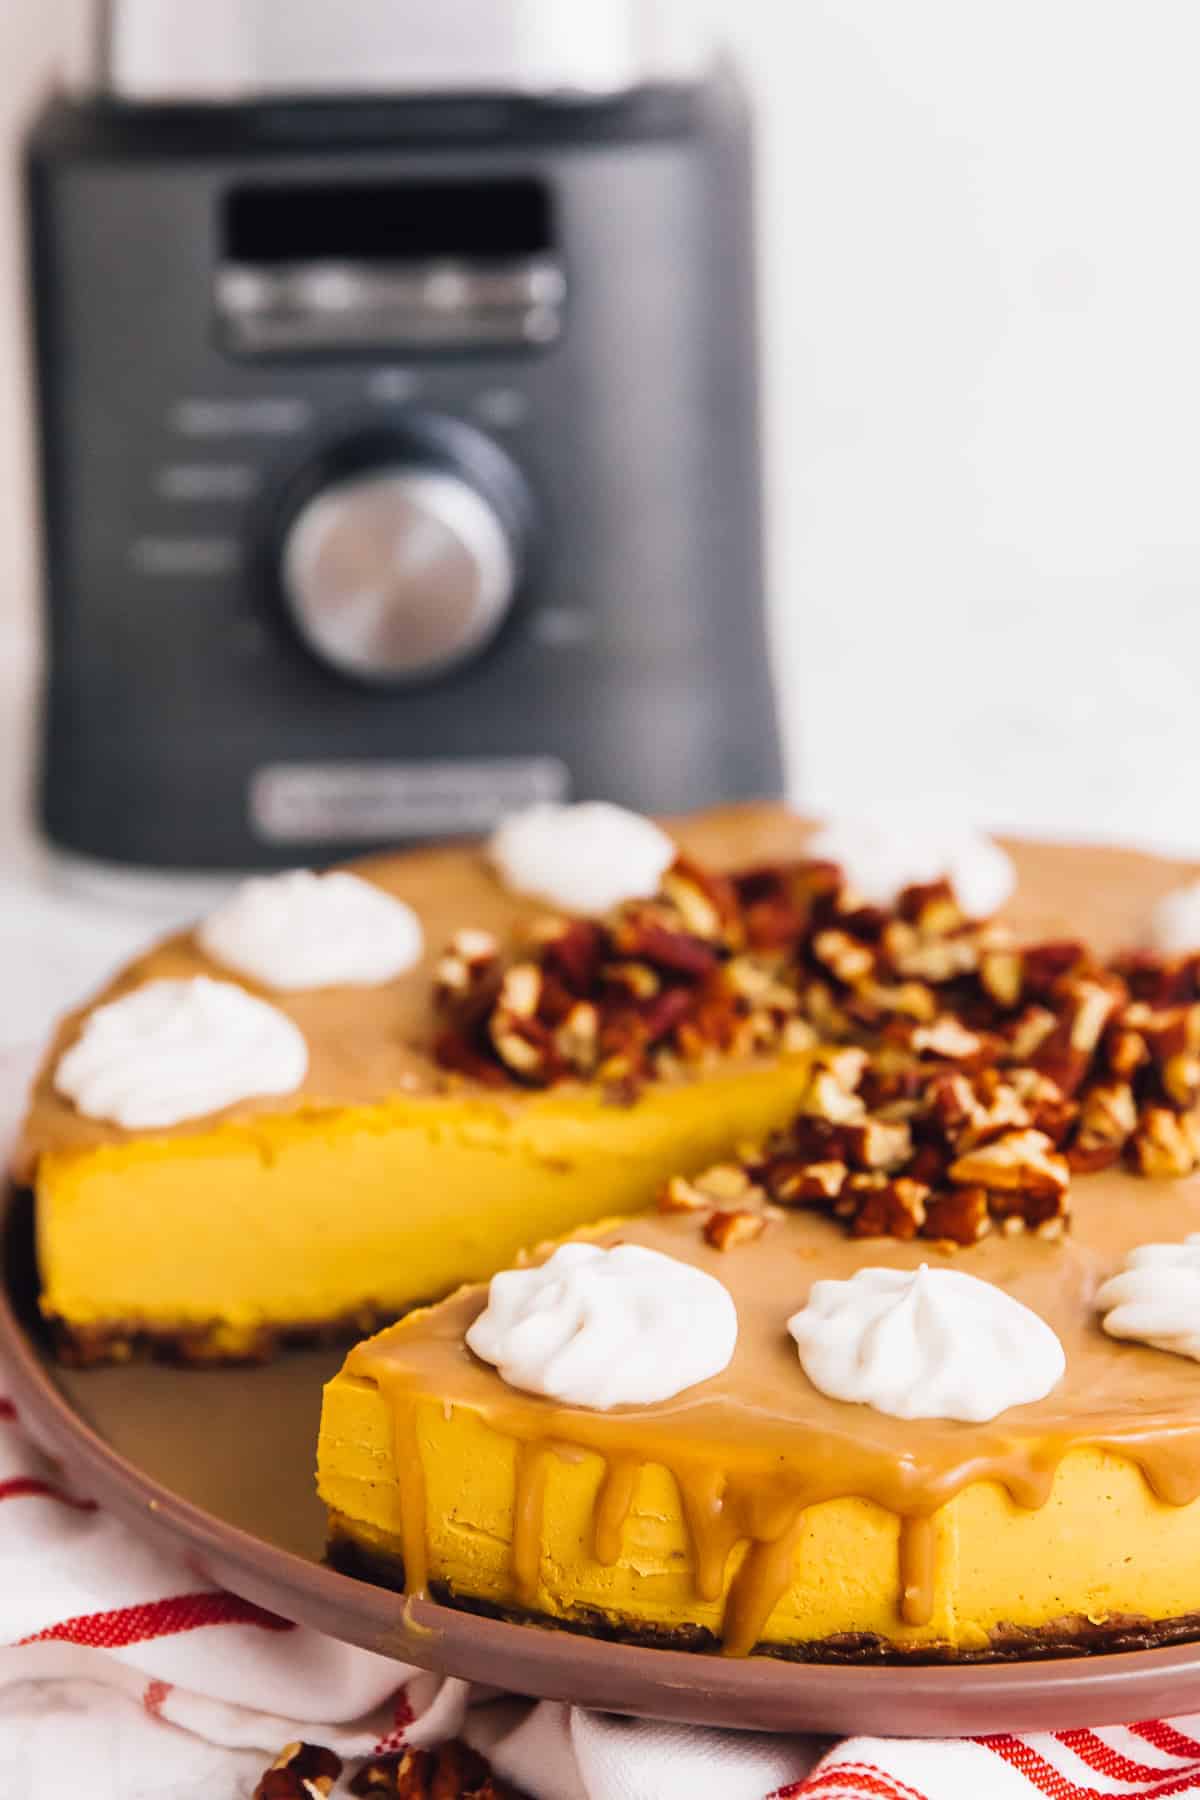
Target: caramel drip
[[759, 1585], [917, 1544], [410, 1485], [614, 1503], [711, 1527], [529, 1502]]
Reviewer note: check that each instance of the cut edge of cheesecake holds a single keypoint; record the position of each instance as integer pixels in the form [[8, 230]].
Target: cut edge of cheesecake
[[319, 1227]]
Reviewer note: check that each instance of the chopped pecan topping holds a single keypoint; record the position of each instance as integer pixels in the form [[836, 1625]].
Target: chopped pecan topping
[[877, 1144], [889, 1208], [948, 1039], [1108, 1119], [845, 957], [300, 1772], [959, 1216], [792, 1182], [469, 959], [726, 1230], [1023, 1162], [953, 1080], [679, 1195], [1165, 1143], [451, 1772], [1002, 976]]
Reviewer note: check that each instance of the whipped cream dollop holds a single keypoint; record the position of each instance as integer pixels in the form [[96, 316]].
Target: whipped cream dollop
[[304, 930], [175, 1050], [600, 1328], [1155, 1297], [880, 859], [929, 1344], [1173, 927], [586, 858]]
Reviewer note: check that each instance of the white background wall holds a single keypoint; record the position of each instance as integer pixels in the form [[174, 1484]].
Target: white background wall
[[982, 295]]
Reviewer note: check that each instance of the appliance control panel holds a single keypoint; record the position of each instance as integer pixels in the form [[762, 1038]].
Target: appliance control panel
[[399, 467]]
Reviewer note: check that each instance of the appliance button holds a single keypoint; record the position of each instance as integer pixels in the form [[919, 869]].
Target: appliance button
[[397, 573]]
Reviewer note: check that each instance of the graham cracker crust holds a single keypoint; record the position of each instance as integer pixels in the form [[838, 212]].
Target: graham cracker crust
[[1066, 1637], [205, 1345]]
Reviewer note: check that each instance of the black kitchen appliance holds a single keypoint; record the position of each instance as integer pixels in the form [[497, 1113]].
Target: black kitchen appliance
[[399, 450]]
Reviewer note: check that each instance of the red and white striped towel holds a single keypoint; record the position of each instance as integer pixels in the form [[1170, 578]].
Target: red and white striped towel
[[122, 1676]]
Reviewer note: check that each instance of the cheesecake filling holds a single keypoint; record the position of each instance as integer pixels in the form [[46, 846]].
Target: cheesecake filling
[[754, 1448]]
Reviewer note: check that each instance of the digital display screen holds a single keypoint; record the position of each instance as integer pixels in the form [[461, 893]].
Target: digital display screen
[[388, 222]]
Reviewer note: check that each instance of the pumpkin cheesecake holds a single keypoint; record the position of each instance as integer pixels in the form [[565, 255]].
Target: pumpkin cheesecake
[[960, 1414]]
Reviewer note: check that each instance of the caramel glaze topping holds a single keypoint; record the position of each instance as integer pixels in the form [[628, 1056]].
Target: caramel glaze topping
[[751, 1449]]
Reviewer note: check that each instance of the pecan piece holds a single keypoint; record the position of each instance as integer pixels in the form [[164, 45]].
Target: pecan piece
[[521, 990], [903, 999], [694, 901], [636, 979], [1002, 977], [937, 960], [679, 1195], [1125, 1050], [469, 958], [1044, 964], [451, 1772], [577, 1038], [524, 1046], [1030, 1031], [793, 1182], [931, 907], [1089, 1008], [645, 939], [1021, 1162], [300, 1772], [724, 1181], [947, 1039], [572, 949], [891, 1209], [843, 956], [877, 1144], [953, 1105], [959, 1216], [1180, 1077], [1107, 1120], [1165, 1144], [727, 1230]]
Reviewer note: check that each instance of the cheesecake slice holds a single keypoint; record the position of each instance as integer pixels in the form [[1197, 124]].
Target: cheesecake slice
[[386, 1177]]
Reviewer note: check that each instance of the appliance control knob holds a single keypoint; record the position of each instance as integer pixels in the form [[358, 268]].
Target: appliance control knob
[[398, 572]]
